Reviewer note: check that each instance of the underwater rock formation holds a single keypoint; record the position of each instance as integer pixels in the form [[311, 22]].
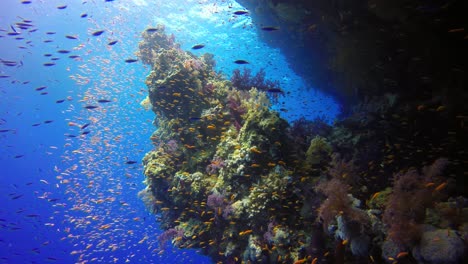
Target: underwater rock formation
[[218, 170], [363, 48], [228, 176], [439, 246]]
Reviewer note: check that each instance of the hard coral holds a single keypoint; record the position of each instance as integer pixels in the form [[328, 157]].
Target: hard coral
[[318, 152], [148, 199]]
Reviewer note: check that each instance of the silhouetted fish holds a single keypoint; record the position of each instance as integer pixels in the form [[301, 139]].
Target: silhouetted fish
[[241, 12], [130, 60], [41, 88], [275, 90], [269, 28], [241, 62], [198, 46], [32, 215], [98, 33], [17, 196], [91, 106]]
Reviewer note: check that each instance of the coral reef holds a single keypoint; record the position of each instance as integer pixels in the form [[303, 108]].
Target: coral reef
[[219, 163], [406, 207], [228, 176], [439, 246], [245, 80]]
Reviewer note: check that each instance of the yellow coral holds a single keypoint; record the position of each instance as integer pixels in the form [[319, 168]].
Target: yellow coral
[[319, 150], [146, 103]]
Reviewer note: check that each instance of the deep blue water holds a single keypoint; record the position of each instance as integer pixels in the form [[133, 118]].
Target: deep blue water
[[69, 197]]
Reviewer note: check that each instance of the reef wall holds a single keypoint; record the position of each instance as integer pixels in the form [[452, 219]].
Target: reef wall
[[218, 173], [228, 176]]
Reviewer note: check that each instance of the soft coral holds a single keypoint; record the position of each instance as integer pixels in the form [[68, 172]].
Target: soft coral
[[406, 208]]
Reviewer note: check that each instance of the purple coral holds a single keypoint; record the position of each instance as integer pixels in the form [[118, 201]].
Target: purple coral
[[433, 171], [197, 64], [245, 80], [168, 235], [171, 146], [405, 210], [236, 109], [337, 203], [217, 202], [215, 165], [303, 130], [343, 170], [227, 211], [209, 88], [270, 233]]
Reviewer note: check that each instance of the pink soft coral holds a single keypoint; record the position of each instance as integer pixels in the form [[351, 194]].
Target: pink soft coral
[[406, 208]]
